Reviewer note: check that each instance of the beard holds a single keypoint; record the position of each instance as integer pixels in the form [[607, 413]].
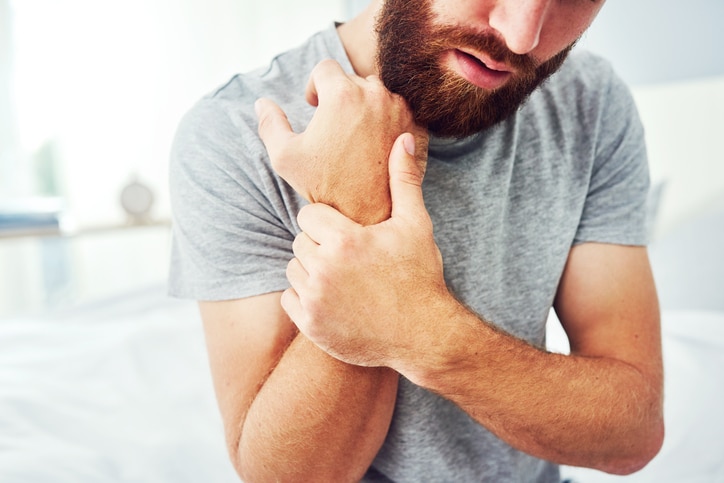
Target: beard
[[409, 54]]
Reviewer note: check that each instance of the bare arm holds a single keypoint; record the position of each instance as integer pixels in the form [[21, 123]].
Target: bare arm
[[600, 407], [291, 411]]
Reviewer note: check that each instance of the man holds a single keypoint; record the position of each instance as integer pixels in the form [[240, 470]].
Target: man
[[349, 342]]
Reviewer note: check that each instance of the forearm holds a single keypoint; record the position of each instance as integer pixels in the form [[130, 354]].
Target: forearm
[[316, 419], [584, 411]]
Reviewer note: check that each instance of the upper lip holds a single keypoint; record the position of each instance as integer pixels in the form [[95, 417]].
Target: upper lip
[[485, 59]]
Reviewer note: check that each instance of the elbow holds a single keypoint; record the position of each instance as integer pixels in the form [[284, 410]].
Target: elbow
[[258, 465], [249, 467], [235, 457], [240, 458], [638, 454]]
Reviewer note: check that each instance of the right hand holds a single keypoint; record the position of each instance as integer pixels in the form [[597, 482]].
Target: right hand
[[364, 293], [341, 157]]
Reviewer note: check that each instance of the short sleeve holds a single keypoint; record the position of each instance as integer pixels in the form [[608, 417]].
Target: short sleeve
[[233, 218], [615, 205]]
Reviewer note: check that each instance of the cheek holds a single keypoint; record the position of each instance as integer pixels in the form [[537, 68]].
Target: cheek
[[450, 12], [559, 32]]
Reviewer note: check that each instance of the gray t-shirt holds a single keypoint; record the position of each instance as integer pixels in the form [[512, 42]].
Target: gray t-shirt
[[507, 205]]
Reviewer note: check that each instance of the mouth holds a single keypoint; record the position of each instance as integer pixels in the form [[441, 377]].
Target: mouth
[[478, 69]]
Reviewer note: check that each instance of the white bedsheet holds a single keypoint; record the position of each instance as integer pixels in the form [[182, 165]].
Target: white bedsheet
[[693, 450], [120, 392]]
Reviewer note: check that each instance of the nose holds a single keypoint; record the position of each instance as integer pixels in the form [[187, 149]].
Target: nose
[[519, 22]]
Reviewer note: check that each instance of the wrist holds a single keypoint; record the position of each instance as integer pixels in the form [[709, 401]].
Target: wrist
[[435, 345]]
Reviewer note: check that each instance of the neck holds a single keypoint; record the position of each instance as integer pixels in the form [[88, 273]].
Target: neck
[[360, 39]]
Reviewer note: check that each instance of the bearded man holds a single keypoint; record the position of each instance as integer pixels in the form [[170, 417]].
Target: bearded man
[[364, 324]]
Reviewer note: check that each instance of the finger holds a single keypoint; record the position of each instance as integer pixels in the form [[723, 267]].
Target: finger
[[296, 275], [274, 128], [292, 305], [310, 92], [405, 177], [323, 79], [303, 246], [323, 223]]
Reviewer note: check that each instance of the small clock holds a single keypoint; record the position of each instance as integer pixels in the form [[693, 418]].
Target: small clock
[[137, 200]]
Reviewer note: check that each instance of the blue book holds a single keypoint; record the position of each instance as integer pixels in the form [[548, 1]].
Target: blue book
[[30, 214]]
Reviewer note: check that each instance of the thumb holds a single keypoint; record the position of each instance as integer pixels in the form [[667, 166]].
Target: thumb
[[405, 177], [274, 128]]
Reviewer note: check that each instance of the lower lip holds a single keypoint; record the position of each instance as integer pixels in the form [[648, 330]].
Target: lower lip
[[475, 72]]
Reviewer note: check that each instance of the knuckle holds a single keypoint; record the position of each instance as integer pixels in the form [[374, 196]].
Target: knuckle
[[313, 310], [264, 123], [347, 92], [344, 245], [326, 64], [278, 160], [413, 177], [296, 245], [322, 68], [290, 269], [304, 213]]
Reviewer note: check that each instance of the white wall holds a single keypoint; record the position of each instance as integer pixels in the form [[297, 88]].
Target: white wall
[[671, 53], [102, 85], [7, 114], [660, 41], [106, 81], [684, 123]]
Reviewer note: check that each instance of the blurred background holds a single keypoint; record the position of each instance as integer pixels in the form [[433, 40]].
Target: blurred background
[[91, 92], [105, 378]]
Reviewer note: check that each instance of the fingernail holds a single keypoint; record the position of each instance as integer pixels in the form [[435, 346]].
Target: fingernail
[[257, 107], [409, 142]]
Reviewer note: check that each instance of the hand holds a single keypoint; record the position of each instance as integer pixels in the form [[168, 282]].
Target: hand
[[341, 157], [362, 293]]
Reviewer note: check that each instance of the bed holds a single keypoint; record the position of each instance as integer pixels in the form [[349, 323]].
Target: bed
[[689, 269], [120, 390], [110, 392]]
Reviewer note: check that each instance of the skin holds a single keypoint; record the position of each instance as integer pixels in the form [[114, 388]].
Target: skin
[[306, 380]]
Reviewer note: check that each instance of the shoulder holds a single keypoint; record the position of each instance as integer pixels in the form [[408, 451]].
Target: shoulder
[[583, 105], [283, 80], [220, 129], [584, 68], [585, 85]]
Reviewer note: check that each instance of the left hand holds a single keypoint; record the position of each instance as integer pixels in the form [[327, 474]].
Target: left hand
[[361, 293], [340, 159]]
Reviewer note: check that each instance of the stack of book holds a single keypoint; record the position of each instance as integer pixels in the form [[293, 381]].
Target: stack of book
[[30, 217]]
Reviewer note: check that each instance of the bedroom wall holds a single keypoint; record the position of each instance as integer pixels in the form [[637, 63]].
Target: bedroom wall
[[101, 85], [670, 52], [97, 88], [100, 98], [684, 123]]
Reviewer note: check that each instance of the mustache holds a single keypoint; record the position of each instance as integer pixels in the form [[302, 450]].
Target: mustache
[[449, 37]]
